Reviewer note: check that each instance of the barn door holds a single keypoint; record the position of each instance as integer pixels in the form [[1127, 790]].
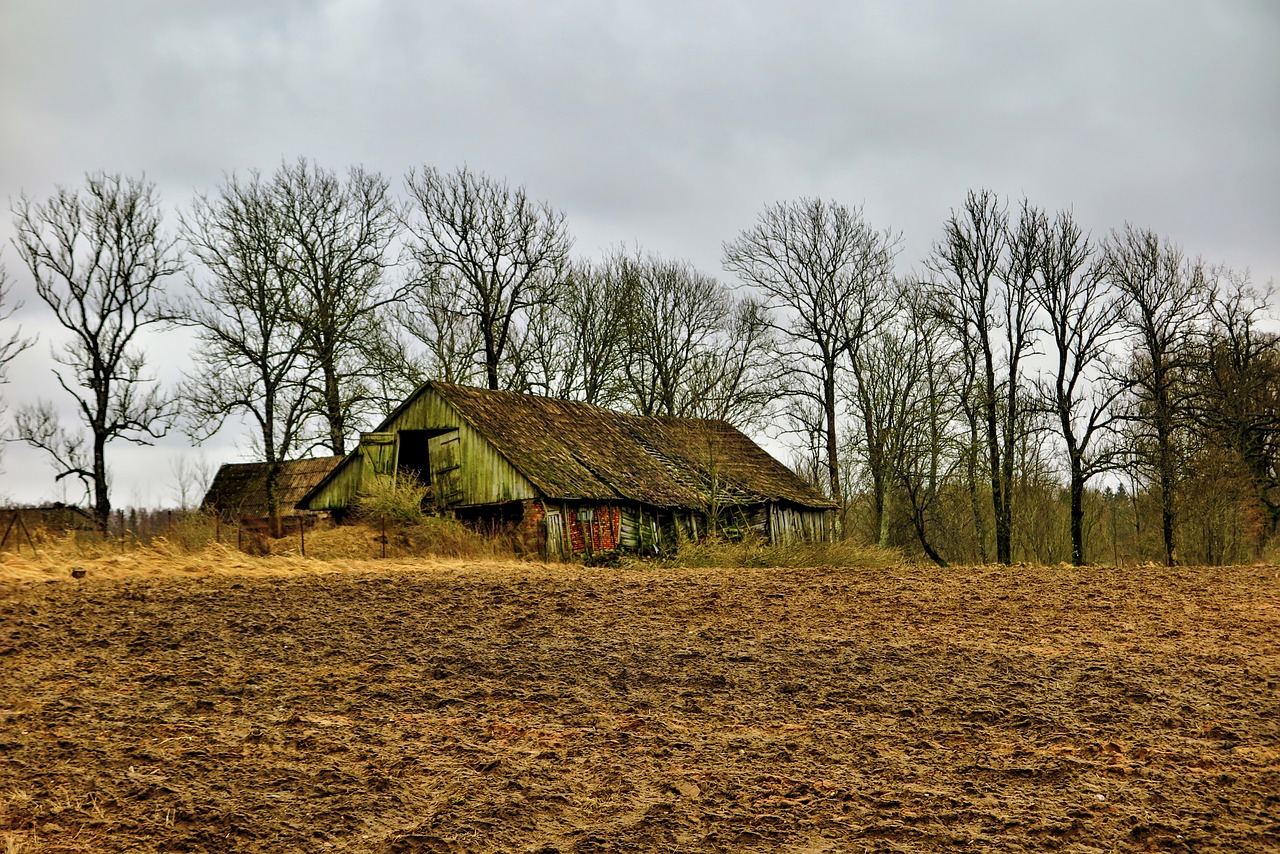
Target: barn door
[[445, 462], [555, 535]]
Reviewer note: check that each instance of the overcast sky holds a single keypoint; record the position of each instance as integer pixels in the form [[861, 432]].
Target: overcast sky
[[669, 125]]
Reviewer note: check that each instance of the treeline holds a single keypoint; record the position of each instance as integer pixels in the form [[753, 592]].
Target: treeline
[[1031, 393]]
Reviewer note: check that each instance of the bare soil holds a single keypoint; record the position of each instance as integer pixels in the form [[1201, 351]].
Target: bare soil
[[529, 708]]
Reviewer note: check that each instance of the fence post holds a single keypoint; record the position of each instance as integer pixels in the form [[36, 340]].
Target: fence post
[[302, 534]]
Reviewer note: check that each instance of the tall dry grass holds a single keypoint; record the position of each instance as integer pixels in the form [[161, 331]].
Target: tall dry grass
[[753, 552], [198, 543]]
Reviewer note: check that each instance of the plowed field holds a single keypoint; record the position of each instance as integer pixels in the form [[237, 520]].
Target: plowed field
[[529, 708]]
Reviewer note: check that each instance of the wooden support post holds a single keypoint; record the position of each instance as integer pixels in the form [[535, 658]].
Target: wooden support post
[[13, 517], [15, 520], [302, 535]]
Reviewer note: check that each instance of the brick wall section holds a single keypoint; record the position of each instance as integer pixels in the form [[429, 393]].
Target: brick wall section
[[531, 534], [605, 528]]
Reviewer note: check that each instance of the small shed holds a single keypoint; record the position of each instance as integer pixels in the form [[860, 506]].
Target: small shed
[[574, 478], [239, 489]]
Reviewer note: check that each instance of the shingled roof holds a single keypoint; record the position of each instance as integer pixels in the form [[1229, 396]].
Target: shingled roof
[[569, 449], [240, 488]]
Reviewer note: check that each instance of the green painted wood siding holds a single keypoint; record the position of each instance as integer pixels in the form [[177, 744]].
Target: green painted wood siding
[[481, 476]]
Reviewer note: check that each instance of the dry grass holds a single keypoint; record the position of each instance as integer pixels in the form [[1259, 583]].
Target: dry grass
[[195, 545], [756, 553], [62, 559]]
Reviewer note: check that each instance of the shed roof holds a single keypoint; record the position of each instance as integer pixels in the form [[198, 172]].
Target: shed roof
[[569, 449], [240, 488]]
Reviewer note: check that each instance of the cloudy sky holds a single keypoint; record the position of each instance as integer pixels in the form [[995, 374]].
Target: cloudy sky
[[665, 124]]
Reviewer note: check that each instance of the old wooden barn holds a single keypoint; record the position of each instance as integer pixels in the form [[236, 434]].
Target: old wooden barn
[[574, 478], [240, 489]]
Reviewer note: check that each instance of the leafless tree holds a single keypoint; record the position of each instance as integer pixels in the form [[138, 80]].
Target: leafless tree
[[11, 343], [500, 252], [575, 347], [823, 271], [1083, 317], [335, 235], [984, 268], [674, 318], [738, 379], [249, 363], [931, 447], [1164, 297], [447, 336], [99, 258], [1237, 385], [191, 479], [891, 393]]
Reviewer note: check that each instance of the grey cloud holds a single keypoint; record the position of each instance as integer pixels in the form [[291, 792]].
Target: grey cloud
[[670, 124]]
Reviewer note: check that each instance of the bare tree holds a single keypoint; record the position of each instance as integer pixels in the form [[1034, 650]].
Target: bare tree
[[888, 395], [249, 363], [738, 379], [1083, 317], [1164, 295], [500, 252], [1237, 386], [649, 334], [575, 347], [11, 343], [99, 259], [984, 267], [674, 317], [823, 272], [448, 337], [930, 448], [191, 479], [593, 308], [335, 236]]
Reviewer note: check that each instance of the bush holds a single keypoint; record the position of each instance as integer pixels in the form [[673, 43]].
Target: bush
[[397, 500]]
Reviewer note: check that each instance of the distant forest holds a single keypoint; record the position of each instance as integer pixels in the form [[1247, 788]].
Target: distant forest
[[1031, 392]]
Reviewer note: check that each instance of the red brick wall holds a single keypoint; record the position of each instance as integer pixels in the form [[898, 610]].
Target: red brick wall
[[604, 529]]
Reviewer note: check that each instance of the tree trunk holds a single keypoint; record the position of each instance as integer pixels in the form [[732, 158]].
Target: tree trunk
[[884, 507], [1077, 511], [333, 411], [833, 448], [999, 499], [101, 494]]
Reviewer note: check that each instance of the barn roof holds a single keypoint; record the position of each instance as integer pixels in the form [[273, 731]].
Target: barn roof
[[569, 449], [240, 488]]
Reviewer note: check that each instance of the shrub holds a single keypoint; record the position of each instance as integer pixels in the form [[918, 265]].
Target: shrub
[[397, 500]]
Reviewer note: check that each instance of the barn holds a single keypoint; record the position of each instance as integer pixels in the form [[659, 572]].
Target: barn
[[240, 489], [573, 478]]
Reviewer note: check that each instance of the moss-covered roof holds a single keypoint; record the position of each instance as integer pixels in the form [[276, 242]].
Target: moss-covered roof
[[569, 449], [240, 488]]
